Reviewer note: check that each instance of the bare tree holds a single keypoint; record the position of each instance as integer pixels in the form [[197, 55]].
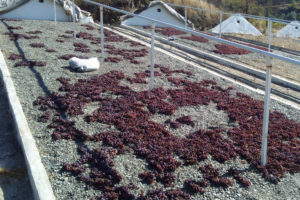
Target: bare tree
[[131, 4], [247, 6]]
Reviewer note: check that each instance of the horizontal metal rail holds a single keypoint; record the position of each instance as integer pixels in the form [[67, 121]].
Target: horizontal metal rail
[[252, 49]]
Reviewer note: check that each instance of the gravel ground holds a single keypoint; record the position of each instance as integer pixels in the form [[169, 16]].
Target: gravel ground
[[284, 42], [258, 61], [40, 81], [14, 182]]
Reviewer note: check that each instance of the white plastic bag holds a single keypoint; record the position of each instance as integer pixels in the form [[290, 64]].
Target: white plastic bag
[[84, 65]]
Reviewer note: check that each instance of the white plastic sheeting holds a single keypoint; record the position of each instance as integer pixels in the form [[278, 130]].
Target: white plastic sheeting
[[84, 65], [236, 24], [291, 30], [80, 15]]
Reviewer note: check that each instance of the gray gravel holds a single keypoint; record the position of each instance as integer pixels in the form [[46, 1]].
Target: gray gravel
[[33, 82], [255, 60]]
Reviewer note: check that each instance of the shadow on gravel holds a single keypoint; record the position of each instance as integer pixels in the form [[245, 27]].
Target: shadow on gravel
[[14, 182], [36, 73]]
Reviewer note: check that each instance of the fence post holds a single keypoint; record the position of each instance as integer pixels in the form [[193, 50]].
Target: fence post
[[221, 20], [185, 17], [54, 7], [74, 23], [152, 55], [264, 140], [270, 23], [102, 32]]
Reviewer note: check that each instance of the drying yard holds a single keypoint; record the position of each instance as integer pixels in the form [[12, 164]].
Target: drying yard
[[104, 135], [255, 60]]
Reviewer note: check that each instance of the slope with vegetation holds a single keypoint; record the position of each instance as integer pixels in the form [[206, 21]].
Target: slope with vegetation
[[284, 9], [200, 19]]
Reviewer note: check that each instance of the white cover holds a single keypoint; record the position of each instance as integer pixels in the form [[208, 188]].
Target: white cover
[[170, 9], [237, 24], [167, 14], [84, 65], [80, 15], [291, 30]]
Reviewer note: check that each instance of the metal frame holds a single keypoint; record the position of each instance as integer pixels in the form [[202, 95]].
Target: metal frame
[[252, 49], [152, 55], [268, 55], [102, 32], [74, 19], [185, 18], [54, 8], [228, 13], [221, 20], [264, 139], [282, 21]]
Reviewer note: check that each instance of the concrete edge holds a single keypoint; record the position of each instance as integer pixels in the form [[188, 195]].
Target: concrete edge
[[238, 66], [37, 174]]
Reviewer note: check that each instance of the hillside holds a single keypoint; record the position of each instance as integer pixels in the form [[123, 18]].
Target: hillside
[[198, 18], [284, 9]]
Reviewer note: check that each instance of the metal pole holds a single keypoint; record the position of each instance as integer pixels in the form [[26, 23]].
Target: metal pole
[[270, 23], [221, 20], [185, 16], [74, 23], [264, 140], [102, 32], [152, 55], [54, 7], [252, 49], [264, 143]]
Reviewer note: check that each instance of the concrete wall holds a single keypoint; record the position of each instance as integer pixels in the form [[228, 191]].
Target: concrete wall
[[36, 10], [153, 13]]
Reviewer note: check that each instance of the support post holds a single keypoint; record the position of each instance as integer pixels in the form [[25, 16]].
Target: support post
[[54, 7], [270, 23], [185, 17], [152, 55], [74, 18], [264, 140], [102, 32], [221, 20]]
